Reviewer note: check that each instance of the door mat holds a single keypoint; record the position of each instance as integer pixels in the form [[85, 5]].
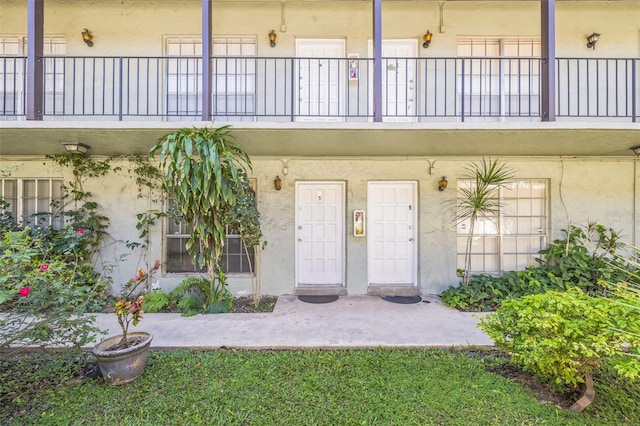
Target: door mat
[[405, 300], [318, 299]]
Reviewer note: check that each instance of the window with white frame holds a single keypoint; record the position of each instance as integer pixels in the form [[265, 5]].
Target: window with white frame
[[13, 68], [501, 76], [31, 201], [235, 257], [511, 240], [234, 76]]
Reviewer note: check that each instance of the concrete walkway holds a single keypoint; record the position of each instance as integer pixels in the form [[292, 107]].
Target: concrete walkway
[[349, 322]]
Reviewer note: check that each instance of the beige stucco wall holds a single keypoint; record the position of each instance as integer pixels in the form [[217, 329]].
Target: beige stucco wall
[[136, 27], [580, 190]]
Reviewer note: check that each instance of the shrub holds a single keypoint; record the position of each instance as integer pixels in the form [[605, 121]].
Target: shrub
[[573, 261], [563, 337], [43, 294]]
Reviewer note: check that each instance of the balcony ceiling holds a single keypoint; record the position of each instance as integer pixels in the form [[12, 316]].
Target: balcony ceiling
[[339, 139]]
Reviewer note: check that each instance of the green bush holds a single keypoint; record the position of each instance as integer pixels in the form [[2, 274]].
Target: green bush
[[44, 293], [562, 337], [573, 261]]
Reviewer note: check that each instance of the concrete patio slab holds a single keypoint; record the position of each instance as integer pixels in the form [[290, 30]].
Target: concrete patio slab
[[349, 322]]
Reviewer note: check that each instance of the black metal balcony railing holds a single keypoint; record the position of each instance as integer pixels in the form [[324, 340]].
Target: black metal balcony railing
[[299, 89]]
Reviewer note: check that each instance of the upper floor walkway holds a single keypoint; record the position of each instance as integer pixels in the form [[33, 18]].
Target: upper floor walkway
[[295, 89]]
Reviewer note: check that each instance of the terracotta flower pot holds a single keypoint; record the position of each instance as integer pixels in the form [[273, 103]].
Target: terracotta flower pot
[[122, 365]]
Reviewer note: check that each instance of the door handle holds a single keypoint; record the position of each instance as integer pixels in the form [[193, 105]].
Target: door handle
[[410, 239]]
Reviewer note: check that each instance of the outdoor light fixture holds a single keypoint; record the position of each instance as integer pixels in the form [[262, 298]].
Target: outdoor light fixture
[[75, 147], [427, 39], [277, 183], [87, 37], [635, 149], [592, 40], [442, 185], [272, 38]]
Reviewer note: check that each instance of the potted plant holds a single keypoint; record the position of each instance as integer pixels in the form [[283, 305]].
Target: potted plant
[[122, 358]]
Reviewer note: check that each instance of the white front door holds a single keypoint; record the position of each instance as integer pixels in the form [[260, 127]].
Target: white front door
[[392, 235], [319, 233], [321, 79], [398, 79]]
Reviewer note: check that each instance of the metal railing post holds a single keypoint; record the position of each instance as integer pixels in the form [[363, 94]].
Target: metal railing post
[[634, 91], [462, 92], [120, 84], [293, 89]]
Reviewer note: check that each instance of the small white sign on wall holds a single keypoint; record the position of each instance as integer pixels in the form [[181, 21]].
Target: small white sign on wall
[[358, 223], [354, 72]]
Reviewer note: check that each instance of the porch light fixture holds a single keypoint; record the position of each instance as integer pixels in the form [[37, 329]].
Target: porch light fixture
[[635, 149], [272, 38], [592, 40], [427, 39], [87, 37], [442, 185], [75, 147], [277, 183]]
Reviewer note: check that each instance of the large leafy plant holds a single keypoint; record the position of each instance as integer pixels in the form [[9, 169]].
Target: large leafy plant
[[206, 178]]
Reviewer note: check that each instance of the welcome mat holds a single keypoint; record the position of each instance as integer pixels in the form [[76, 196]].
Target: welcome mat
[[318, 299], [405, 300]]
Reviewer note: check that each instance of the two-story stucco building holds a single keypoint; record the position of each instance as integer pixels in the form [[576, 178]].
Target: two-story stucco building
[[360, 108]]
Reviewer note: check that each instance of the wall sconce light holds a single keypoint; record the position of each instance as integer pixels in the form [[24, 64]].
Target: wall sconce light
[[75, 147], [592, 40], [277, 183], [442, 185], [87, 37], [635, 149], [272, 38], [427, 39]]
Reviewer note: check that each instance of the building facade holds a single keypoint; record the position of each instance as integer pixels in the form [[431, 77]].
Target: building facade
[[360, 109]]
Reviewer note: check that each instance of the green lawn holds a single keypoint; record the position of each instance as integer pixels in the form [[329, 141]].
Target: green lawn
[[340, 387]]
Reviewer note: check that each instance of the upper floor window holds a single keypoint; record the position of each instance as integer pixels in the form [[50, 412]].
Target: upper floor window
[[511, 240], [234, 76], [13, 51], [31, 201], [499, 76]]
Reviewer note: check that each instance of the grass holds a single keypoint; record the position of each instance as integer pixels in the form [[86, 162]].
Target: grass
[[310, 387]]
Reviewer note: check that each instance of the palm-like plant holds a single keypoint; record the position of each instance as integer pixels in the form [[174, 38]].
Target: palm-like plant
[[206, 175], [480, 199]]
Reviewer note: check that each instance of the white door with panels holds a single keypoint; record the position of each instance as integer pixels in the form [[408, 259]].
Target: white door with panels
[[398, 79], [321, 79], [392, 248], [320, 233]]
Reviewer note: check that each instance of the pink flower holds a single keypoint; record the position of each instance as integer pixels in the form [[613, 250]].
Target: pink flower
[[80, 231], [24, 291], [44, 267]]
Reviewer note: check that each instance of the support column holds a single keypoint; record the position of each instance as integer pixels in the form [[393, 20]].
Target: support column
[[377, 60], [207, 76], [35, 60], [548, 77]]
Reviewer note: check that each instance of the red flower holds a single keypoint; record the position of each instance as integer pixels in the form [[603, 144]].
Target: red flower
[[24, 291], [44, 267], [80, 231]]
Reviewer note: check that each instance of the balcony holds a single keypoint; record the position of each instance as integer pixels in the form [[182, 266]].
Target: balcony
[[262, 89]]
